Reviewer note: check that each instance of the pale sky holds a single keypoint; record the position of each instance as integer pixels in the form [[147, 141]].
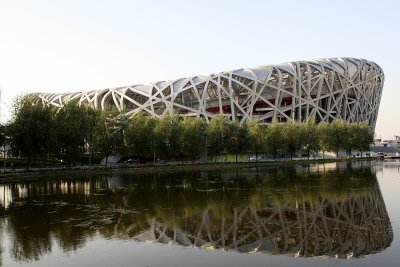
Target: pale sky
[[65, 46]]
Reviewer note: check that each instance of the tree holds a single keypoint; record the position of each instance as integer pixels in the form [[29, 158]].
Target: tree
[[70, 132], [237, 138], [31, 127], [291, 137], [363, 136], [217, 134], [333, 136], [309, 137], [2, 134], [140, 135], [108, 135], [168, 135], [91, 118], [323, 134], [350, 142], [256, 135], [339, 134], [3, 144], [193, 136], [274, 138]]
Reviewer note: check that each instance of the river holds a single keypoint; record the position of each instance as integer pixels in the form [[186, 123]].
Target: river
[[331, 214]]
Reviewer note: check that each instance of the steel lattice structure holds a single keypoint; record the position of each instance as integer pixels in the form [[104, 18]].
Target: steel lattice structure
[[327, 89], [354, 227]]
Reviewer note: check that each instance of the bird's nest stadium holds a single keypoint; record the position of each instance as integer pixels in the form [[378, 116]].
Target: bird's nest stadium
[[327, 89]]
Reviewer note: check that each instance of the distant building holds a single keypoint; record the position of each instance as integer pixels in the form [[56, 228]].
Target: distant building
[[327, 89], [389, 148]]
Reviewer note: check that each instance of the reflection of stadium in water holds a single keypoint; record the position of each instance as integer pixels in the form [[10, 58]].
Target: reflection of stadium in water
[[301, 211]]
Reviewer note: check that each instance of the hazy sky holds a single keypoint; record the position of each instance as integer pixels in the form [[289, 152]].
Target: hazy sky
[[62, 46]]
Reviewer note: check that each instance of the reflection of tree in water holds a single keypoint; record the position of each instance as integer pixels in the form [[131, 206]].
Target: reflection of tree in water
[[279, 210]]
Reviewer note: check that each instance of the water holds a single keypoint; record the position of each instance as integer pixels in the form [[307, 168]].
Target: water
[[334, 214]]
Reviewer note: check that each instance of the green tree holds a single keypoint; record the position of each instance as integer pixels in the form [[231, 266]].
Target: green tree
[[193, 136], [217, 134], [140, 135], [168, 135], [91, 119], [237, 138], [70, 131], [30, 128], [256, 135], [362, 136], [3, 144], [333, 136], [291, 137], [352, 135], [274, 138], [323, 129], [108, 135], [2, 134], [309, 137]]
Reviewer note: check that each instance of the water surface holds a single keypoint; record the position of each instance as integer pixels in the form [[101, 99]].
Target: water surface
[[334, 214]]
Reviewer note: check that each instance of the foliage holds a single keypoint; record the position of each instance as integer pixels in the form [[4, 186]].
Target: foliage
[[365, 137], [31, 127], [360, 137], [2, 134], [237, 140], [193, 136], [309, 137], [168, 135], [274, 138], [217, 134], [291, 133], [37, 130], [70, 131], [108, 135], [323, 133], [140, 135], [91, 119], [256, 136], [341, 135]]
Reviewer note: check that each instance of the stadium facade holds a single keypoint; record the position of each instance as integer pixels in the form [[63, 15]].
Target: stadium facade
[[327, 89]]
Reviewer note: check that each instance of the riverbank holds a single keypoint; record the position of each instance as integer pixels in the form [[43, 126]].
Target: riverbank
[[75, 172]]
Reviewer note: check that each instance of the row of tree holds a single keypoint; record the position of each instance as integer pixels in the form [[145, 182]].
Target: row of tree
[[41, 131]]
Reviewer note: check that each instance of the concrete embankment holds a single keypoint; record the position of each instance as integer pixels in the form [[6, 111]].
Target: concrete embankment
[[76, 172]]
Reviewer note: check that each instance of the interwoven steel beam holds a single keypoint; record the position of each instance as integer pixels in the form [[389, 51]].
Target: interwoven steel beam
[[327, 89]]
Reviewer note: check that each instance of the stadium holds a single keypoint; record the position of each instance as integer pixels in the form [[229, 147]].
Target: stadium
[[326, 89]]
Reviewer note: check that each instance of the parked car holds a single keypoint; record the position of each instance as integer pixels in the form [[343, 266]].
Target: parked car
[[380, 155], [255, 158], [131, 161]]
